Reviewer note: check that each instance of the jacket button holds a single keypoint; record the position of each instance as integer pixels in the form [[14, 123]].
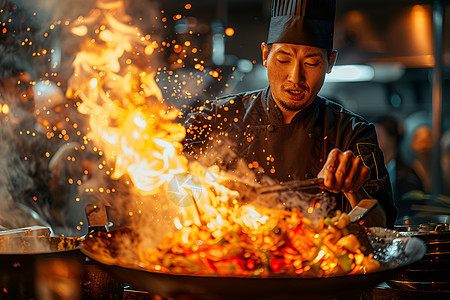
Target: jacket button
[[270, 128], [311, 135]]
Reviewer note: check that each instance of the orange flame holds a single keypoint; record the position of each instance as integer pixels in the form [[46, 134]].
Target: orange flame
[[120, 98], [134, 127]]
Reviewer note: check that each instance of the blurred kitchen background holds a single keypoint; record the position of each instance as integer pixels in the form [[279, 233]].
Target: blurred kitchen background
[[386, 49]]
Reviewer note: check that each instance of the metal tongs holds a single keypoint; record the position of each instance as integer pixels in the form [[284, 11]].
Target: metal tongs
[[295, 185], [248, 191]]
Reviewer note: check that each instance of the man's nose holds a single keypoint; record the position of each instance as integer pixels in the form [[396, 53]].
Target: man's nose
[[296, 74]]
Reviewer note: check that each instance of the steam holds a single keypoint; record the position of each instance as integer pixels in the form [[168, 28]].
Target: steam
[[23, 173]]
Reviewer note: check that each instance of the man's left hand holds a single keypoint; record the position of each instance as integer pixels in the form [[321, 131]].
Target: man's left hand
[[344, 172]]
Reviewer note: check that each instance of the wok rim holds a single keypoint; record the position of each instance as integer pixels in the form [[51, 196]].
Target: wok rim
[[49, 252]]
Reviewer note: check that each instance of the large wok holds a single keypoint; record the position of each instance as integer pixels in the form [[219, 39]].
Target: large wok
[[393, 250]]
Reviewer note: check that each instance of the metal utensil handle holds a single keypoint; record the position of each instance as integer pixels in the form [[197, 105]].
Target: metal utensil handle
[[292, 186], [362, 209]]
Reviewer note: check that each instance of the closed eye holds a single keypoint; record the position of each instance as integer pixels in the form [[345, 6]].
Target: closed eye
[[313, 61]]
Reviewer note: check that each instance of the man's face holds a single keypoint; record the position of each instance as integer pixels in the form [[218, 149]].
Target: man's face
[[296, 73], [421, 141]]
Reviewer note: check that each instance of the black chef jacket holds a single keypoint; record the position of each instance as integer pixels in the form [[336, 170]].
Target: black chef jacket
[[253, 125]]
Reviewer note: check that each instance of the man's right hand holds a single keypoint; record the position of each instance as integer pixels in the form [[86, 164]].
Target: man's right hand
[[344, 172]]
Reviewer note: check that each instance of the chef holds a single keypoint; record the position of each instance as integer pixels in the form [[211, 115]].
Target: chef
[[287, 131]]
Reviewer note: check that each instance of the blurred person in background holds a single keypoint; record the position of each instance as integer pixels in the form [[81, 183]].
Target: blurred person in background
[[421, 145], [403, 177], [445, 161], [417, 144]]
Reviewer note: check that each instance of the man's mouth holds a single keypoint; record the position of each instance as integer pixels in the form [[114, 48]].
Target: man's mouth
[[296, 94]]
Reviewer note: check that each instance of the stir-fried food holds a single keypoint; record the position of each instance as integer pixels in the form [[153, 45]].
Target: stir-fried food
[[284, 244]]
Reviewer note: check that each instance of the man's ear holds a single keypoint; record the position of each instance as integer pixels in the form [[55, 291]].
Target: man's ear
[[332, 60], [265, 53]]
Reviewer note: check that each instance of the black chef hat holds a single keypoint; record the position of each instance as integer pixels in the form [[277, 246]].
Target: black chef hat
[[303, 22]]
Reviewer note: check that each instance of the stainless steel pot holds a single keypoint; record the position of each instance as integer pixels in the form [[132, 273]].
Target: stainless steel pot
[[31, 266], [433, 270]]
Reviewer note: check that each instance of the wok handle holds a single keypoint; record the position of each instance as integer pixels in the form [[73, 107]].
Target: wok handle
[[97, 218]]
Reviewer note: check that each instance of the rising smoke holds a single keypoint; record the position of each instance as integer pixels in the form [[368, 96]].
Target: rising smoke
[[23, 172]]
